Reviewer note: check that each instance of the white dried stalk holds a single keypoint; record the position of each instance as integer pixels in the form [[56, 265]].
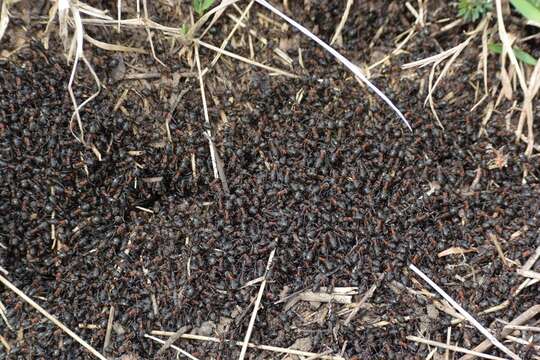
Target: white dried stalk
[[178, 350], [463, 312], [256, 307], [353, 68], [4, 16], [51, 318]]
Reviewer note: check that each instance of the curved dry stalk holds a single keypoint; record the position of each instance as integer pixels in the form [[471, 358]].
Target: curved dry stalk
[[79, 107], [51, 318], [246, 60], [101, 17], [236, 26], [342, 22], [4, 16], [64, 7], [463, 312], [353, 68], [205, 111], [178, 350]]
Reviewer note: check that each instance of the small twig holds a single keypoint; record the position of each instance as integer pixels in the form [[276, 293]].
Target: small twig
[[250, 345], [4, 317], [108, 333], [463, 312], [532, 259], [529, 273], [448, 338], [246, 60], [172, 339], [364, 298], [180, 351], [355, 69], [497, 244], [523, 342], [206, 117], [235, 27], [51, 318], [256, 307], [342, 22], [452, 347]]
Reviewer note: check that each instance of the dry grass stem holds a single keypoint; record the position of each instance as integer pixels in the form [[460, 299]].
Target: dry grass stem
[[4, 317], [244, 59], [344, 17], [521, 319], [51, 318], [232, 32], [493, 238], [532, 259], [108, 332], [529, 273], [448, 338], [527, 109], [456, 251], [206, 117], [353, 68], [529, 344], [519, 327], [113, 47], [453, 348], [171, 340], [178, 350], [256, 307], [250, 345], [419, 22], [4, 16], [463, 312], [363, 300]]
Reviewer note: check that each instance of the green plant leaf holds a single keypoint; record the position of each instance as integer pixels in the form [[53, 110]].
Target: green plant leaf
[[520, 54], [527, 9], [184, 29], [201, 6], [472, 10]]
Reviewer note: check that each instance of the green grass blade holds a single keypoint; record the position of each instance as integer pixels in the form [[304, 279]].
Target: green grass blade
[[527, 9], [520, 54]]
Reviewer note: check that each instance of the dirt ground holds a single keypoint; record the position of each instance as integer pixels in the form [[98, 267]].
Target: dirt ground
[[317, 169]]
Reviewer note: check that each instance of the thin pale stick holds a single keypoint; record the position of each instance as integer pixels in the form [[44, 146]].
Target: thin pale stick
[[463, 312], [119, 9], [532, 259], [171, 340], [206, 117], [448, 338], [180, 351], [452, 347], [51, 318], [108, 332], [236, 26], [78, 38], [250, 345], [246, 60], [4, 18], [353, 68], [364, 298], [256, 307], [447, 66], [529, 273], [342, 22], [523, 342], [430, 98]]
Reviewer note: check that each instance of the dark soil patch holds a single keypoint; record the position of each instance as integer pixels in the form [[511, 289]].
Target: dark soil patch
[[335, 183]]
